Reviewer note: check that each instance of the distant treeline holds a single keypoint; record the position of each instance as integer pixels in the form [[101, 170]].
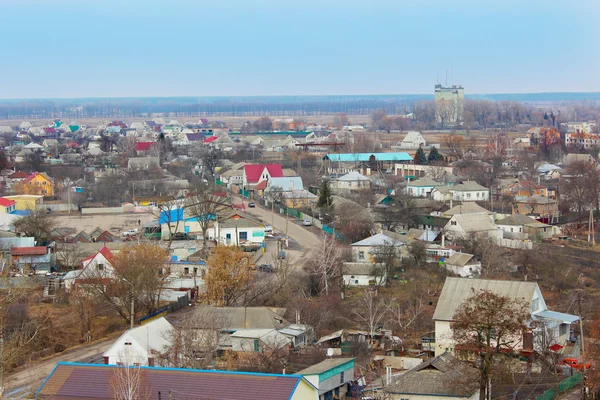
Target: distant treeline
[[132, 107]]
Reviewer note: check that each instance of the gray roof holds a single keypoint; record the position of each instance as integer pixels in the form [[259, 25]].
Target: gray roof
[[468, 186], [475, 222], [235, 318], [466, 208], [460, 259], [286, 183], [516, 219], [444, 375], [324, 366], [424, 182], [353, 176], [377, 240], [457, 290], [355, 268]]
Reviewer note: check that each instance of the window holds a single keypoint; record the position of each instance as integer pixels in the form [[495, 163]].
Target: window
[[243, 235], [356, 282], [468, 195], [562, 329], [453, 223], [186, 271], [535, 304], [361, 255], [195, 271], [341, 377], [256, 345], [100, 267]]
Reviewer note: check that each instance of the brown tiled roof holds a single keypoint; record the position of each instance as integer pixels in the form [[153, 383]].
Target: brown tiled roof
[[85, 381], [28, 251]]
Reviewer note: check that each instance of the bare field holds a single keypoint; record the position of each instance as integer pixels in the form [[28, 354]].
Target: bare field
[[114, 223]]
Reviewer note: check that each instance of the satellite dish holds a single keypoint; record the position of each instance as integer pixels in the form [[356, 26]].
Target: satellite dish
[[329, 352]]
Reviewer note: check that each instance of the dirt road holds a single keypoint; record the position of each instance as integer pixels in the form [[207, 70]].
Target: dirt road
[[22, 382]]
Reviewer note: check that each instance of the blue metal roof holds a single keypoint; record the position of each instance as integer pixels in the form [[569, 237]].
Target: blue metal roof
[[557, 316], [353, 157]]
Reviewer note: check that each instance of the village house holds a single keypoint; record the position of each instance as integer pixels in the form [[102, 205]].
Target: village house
[[351, 181], [147, 344], [412, 141], [332, 377], [7, 206], [462, 225], [518, 226], [366, 163], [37, 183], [521, 189], [536, 205], [238, 229], [463, 264], [457, 290], [368, 256], [253, 174], [264, 341], [37, 259], [444, 377], [422, 187], [98, 266], [96, 381], [469, 191]]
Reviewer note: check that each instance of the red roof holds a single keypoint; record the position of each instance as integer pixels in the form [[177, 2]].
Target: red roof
[[210, 139], [18, 175], [143, 146], [104, 251], [253, 171], [49, 130], [28, 251], [7, 202], [261, 186]]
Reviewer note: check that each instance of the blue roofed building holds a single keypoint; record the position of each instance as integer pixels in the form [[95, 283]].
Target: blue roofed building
[[365, 163]]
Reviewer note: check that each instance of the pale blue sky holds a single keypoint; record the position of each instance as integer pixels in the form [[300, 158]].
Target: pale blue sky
[[119, 48]]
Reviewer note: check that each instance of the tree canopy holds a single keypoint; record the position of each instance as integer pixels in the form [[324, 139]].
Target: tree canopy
[[420, 157]]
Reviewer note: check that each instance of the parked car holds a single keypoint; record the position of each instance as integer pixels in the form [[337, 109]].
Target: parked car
[[574, 363], [268, 229], [131, 232], [181, 236], [266, 268], [307, 222], [252, 204]]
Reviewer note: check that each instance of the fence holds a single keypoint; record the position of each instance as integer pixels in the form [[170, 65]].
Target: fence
[[563, 386]]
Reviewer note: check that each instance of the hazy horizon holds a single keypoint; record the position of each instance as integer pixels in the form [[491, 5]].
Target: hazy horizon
[[182, 48]]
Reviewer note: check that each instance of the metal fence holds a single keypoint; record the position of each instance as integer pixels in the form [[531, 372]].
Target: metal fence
[[563, 386]]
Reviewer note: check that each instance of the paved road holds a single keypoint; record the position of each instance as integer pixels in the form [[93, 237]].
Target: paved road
[[304, 237], [20, 382]]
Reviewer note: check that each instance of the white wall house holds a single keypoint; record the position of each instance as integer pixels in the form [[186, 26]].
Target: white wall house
[[143, 345], [469, 191], [237, 231], [413, 140], [463, 264], [462, 225], [259, 340], [422, 187], [457, 290], [351, 181]]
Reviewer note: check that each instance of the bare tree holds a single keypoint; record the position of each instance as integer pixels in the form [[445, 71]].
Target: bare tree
[[206, 207], [325, 264], [129, 383], [370, 310]]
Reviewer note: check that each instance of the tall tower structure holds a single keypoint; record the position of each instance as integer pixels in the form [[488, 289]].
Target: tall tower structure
[[449, 104]]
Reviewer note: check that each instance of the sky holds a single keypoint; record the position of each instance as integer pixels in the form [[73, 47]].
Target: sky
[[139, 48]]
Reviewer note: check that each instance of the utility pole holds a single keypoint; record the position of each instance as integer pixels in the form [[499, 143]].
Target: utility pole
[[132, 309], [582, 348], [1, 357]]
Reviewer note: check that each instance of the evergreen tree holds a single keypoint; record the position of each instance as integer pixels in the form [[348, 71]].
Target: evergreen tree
[[420, 158], [434, 155], [325, 195]]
